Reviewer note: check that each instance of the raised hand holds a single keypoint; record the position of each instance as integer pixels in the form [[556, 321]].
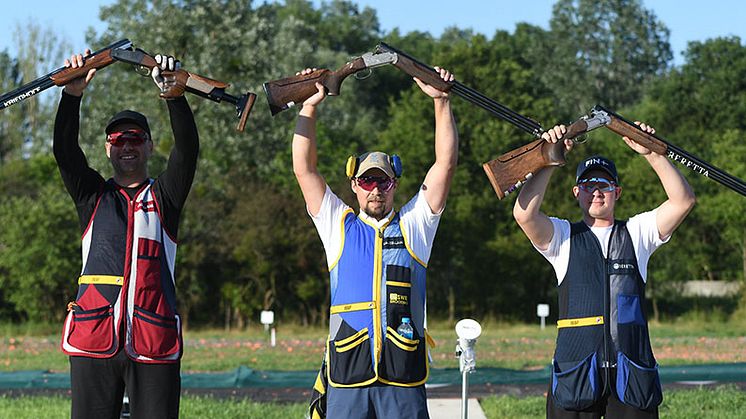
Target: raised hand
[[555, 134], [319, 96], [635, 146], [77, 86], [165, 78], [430, 90]]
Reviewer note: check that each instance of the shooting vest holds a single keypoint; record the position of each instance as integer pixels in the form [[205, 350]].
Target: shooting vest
[[376, 281], [602, 323], [127, 283]]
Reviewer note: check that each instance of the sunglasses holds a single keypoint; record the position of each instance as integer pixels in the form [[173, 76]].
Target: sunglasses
[[135, 137], [591, 184], [369, 183]]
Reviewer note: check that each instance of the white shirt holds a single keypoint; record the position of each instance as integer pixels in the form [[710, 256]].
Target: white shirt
[[643, 230], [417, 220]]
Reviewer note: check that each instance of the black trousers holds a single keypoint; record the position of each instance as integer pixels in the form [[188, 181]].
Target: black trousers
[[608, 407], [98, 388]]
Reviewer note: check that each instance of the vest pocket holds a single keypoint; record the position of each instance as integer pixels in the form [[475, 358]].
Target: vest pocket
[[576, 388], [92, 330], [349, 357], [638, 386], [398, 294], [149, 289], [629, 310], [403, 360], [153, 335]]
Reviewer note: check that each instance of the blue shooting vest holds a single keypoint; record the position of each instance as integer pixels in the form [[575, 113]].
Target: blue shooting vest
[[602, 323], [376, 281]]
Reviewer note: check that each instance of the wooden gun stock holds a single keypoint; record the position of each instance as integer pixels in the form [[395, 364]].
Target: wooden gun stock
[[193, 83], [511, 170], [96, 61], [285, 93], [637, 135], [63, 75]]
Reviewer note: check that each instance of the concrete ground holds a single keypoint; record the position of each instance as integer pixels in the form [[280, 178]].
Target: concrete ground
[[451, 409]]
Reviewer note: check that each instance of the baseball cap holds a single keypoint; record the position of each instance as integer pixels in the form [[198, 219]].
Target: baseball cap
[[375, 160], [128, 116], [597, 162]]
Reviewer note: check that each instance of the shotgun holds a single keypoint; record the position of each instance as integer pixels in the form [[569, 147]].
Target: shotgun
[[285, 93], [199, 85], [511, 170], [64, 75]]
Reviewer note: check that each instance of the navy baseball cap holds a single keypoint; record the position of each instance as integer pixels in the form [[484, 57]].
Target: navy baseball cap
[[597, 162], [128, 116]]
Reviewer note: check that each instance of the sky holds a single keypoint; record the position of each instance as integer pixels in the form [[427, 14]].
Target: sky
[[688, 20]]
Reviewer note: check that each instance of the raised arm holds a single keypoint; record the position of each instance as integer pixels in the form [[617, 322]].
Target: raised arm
[[680, 195], [176, 181], [305, 159], [526, 211], [438, 179], [81, 181]]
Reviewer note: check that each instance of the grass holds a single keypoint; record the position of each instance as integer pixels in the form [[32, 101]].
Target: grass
[[514, 346], [722, 402], [53, 407]]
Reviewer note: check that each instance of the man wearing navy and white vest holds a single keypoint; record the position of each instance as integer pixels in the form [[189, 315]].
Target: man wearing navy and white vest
[[122, 329], [603, 363], [377, 261]]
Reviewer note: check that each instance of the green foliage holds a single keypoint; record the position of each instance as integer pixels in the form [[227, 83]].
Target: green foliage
[[602, 51], [36, 278]]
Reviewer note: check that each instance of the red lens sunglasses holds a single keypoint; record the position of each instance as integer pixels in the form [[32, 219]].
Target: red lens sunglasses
[[369, 183], [135, 137]]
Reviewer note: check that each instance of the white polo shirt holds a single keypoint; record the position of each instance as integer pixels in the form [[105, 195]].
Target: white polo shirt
[[643, 230], [418, 222]]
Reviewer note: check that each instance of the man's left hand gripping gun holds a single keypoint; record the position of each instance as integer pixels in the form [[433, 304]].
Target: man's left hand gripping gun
[[192, 83]]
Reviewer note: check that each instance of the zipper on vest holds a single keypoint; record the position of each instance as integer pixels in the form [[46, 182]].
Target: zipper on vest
[[377, 278], [607, 314], [127, 261]]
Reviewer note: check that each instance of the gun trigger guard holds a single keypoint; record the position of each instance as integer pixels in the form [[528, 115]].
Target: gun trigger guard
[[580, 139], [142, 70], [364, 74]]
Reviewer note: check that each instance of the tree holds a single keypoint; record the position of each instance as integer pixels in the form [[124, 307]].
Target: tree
[[603, 51]]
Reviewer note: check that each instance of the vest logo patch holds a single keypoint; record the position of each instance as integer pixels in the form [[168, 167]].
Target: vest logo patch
[[622, 266], [146, 206], [393, 243], [395, 298]]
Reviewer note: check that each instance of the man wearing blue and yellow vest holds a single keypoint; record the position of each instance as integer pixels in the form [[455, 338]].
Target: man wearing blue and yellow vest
[[377, 261], [603, 364], [122, 330]]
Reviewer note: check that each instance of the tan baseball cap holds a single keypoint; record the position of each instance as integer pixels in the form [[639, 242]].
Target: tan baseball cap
[[375, 160]]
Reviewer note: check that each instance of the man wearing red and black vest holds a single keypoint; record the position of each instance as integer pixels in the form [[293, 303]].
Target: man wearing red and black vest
[[603, 364], [122, 330]]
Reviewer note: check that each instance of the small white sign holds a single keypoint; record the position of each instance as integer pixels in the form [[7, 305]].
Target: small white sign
[[267, 317], [542, 310]]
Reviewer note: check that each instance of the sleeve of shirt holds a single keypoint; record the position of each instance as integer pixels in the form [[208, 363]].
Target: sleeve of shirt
[[558, 252], [328, 224], [643, 230], [81, 181], [419, 225], [173, 185]]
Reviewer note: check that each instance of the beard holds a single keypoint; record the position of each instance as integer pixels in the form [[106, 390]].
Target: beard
[[377, 209]]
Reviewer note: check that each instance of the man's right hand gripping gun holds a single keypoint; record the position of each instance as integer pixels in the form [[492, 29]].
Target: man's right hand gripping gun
[[192, 83]]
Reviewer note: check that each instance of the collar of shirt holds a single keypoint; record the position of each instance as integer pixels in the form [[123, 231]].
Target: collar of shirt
[[378, 223]]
